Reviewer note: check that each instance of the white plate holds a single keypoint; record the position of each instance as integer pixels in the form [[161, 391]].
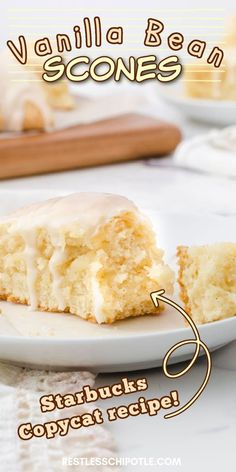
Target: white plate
[[215, 112], [61, 341]]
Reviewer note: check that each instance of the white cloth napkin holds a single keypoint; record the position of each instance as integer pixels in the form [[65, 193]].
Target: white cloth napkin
[[20, 390], [213, 152]]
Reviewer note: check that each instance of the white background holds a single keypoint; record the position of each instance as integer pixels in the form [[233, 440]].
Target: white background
[[204, 436]]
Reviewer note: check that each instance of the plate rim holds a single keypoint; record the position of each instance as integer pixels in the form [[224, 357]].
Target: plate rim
[[175, 95], [117, 338], [163, 333]]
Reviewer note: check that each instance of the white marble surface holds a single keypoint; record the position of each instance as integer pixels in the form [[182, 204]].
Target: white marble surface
[[204, 436]]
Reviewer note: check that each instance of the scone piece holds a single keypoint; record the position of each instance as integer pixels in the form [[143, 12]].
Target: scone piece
[[26, 101], [33, 117], [230, 33], [204, 81], [207, 280], [23, 105], [90, 254], [58, 96]]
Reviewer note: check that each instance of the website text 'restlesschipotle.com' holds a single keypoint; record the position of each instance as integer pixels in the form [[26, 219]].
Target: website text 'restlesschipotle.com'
[[122, 461]]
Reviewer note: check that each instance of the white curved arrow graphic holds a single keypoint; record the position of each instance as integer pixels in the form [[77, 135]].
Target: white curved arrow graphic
[[156, 296]]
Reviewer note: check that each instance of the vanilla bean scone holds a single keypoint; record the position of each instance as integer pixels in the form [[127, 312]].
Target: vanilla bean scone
[[90, 254], [27, 102], [207, 280], [205, 81]]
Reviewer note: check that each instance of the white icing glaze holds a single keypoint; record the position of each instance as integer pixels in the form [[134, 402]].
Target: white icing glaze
[[89, 210], [18, 86], [58, 257]]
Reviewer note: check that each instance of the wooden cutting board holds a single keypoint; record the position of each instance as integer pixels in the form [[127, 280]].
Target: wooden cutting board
[[119, 139]]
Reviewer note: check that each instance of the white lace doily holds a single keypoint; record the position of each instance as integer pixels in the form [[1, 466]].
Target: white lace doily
[[20, 390]]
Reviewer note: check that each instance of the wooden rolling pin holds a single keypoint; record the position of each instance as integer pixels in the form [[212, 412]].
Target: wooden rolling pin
[[126, 137]]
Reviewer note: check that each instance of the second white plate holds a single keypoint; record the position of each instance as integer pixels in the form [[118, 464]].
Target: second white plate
[[215, 112]]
